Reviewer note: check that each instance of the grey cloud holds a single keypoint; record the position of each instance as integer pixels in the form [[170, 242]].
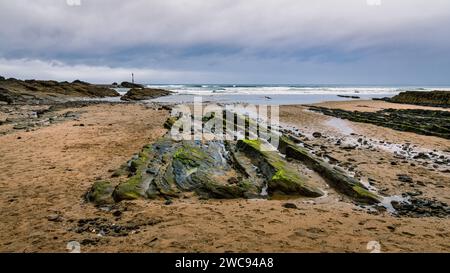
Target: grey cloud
[[233, 37]]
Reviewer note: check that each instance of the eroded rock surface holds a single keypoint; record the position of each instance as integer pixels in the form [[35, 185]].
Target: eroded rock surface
[[245, 168], [14, 91]]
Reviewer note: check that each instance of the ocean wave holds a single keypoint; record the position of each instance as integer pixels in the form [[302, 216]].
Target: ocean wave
[[215, 89]]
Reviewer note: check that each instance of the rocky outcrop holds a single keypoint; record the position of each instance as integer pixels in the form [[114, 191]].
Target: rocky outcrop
[[426, 98], [6, 96], [226, 169], [101, 193], [349, 96], [131, 85], [15, 91], [281, 177], [424, 122], [144, 94], [334, 175]]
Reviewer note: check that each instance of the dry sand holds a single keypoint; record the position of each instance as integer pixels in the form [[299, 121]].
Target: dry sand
[[47, 171]]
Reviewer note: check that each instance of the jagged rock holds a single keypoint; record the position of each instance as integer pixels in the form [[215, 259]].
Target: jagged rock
[[144, 94], [337, 177], [131, 85], [34, 91], [6, 96], [101, 193], [229, 169], [282, 177]]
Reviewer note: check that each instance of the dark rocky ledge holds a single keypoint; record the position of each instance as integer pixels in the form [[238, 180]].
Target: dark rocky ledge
[[144, 94], [424, 122], [424, 98], [14, 91], [224, 169]]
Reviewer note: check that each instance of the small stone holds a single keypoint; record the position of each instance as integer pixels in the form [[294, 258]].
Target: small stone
[[404, 178], [54, 218], [168, 202], [421, 156], [349, 147], [420, 183], [290, 206], [317, 134], [117, 213]]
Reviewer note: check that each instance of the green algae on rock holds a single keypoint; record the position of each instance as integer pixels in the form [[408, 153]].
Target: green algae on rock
[[101, 193], [246, 168], [282, 178], [335, 176]]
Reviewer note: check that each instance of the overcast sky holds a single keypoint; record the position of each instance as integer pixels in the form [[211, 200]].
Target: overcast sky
[[386, 42]]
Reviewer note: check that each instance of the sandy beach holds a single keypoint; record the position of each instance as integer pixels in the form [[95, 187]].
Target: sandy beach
[[46, 171]]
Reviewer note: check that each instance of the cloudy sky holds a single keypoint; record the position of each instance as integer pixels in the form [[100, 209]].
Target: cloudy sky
[[386, 42]]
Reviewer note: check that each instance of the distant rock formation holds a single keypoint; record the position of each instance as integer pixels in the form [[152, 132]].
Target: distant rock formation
[[144, 94], [131, 85], [14, 91], [425, 98], [349, 97]]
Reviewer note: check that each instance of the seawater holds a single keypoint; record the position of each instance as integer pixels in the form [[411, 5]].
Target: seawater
[[277, 94]]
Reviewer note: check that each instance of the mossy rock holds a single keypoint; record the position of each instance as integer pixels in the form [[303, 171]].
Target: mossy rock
[[123, 170], [129, 190], [191, 155], [140, 163], [282, 178], [336, 177], [213, 189], [101, 193]]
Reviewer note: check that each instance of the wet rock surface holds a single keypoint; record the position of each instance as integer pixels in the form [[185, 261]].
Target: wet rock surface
[[144, 94], [417, 207], [227, 169], [104, 227], [425, 122], [334, 175]]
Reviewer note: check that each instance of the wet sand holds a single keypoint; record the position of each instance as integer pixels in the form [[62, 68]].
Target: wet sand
[[45, 173]]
